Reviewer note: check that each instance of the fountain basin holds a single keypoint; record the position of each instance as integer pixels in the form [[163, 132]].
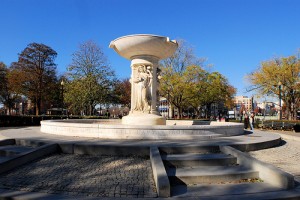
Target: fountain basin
[[144, 44], [114, 129]]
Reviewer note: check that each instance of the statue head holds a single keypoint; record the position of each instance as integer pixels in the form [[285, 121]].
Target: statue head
[[141, 68]]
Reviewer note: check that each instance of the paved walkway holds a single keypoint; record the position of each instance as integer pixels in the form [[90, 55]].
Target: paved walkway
[[117, 176], [288, 135], [34, 133], [82, 176], [286, 156]]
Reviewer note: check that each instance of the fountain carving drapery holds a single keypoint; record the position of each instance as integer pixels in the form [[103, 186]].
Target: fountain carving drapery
[[142, 88]]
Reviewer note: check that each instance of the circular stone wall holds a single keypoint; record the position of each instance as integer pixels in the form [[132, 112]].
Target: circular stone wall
[[113, 129]]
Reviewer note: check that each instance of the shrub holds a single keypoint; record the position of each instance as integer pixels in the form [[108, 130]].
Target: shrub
[[9, 120]]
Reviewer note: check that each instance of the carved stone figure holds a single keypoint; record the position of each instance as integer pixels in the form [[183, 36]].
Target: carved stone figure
[[143, 88], [144, 51]]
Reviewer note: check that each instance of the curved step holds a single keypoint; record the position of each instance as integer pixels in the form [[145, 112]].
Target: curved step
[[4, 159], [210, 174], [188, 149], [192, 159], [11, 150], [202, 190]]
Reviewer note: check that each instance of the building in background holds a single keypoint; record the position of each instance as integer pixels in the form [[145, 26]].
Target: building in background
[[244, 103], [164, 108]]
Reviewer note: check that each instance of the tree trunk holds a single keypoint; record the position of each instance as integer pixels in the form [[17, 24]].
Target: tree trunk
[[91, 109], [37, 109], [180, 112], [295, 114]]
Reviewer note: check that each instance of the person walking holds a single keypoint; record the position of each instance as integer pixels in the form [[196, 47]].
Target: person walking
[[246, 120], [251, 121]]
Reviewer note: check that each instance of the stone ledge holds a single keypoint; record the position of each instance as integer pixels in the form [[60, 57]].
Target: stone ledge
[[143, 132], [27, 157], [267, 172], [159, 173]]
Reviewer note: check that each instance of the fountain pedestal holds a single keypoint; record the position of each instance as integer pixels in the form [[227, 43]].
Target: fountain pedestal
[[144, 51]]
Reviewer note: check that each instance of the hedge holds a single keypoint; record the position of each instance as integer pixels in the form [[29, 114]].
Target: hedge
[[9, 120], [295, 124]]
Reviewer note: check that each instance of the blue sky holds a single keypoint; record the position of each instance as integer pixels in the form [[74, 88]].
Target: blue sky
[[234, 35]]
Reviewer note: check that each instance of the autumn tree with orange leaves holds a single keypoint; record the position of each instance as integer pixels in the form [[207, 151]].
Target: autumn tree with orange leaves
[[34, 74]]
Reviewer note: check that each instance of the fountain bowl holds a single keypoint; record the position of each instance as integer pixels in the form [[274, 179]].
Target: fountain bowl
[[144, 44]]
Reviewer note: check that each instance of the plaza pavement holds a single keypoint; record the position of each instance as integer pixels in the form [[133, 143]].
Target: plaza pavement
[[118, 180]]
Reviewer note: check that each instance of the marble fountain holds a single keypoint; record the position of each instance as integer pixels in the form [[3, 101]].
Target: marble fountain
[[144, 120]]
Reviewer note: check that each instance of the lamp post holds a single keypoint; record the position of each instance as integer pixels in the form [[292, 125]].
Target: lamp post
[[168, 106], [62, 95], [280, 110]]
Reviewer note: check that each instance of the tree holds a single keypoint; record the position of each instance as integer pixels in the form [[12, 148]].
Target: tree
[[122, 92], [177, 74], [181, 89], [7, 97], [217, 90], [34, 75], [185, 83], [279, 76], [3, 73], [182, 58], [90, 78]]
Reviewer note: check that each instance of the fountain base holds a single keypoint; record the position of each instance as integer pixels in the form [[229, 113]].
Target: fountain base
[[114, 129], [143, 119]]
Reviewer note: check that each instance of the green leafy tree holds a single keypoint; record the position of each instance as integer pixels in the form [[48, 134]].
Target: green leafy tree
[[181, 88], [34, 75], [198, 92], [186, 84], [179, 73], [90, 78], [279, 76], [217, 90]]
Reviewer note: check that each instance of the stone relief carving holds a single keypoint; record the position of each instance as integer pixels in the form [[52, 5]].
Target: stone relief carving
[[142, 88]]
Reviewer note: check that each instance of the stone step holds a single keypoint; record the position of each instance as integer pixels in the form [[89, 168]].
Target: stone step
[[166, 150], [11, 150], [214, 190], [192, 159], [210, 174], [4, 158]]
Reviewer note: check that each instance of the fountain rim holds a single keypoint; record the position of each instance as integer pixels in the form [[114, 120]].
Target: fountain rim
[[149, 35], [140, 132], [147, 127]]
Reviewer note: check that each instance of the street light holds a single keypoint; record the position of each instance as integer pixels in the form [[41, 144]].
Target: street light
[[280, 111], [62, 94]]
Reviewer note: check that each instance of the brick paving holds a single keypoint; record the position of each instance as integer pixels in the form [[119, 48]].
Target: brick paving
[[84, 175]]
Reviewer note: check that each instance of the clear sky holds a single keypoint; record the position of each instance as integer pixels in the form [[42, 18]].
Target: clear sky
[[234, 35]]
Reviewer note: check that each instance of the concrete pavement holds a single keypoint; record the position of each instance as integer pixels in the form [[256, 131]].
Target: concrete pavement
[[92, 177]]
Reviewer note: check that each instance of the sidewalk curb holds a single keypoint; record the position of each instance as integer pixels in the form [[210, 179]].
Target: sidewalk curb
[[289, 137]]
